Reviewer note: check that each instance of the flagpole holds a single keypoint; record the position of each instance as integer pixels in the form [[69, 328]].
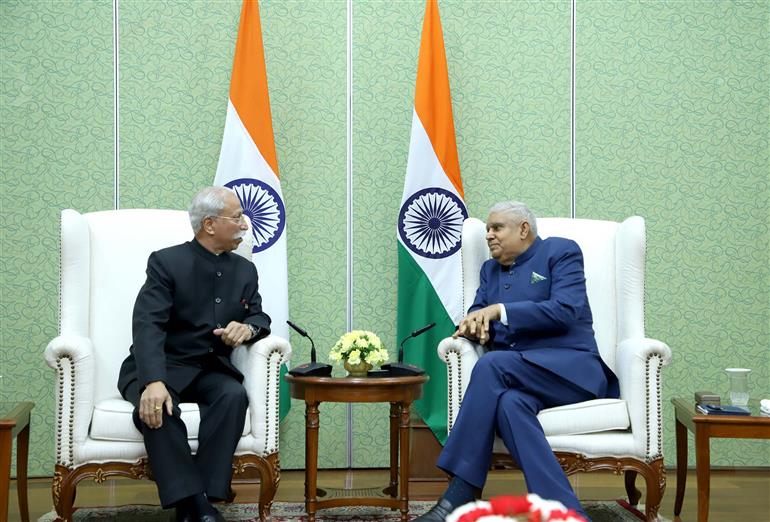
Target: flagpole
[[116, 102], [573, 180], [349, 283]]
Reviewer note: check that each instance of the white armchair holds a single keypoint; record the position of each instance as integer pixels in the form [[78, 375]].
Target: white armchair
[[622, 435], [103, 259]]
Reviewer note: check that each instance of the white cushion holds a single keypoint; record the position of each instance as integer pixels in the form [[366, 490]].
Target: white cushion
[[112, 421], [585, 417]]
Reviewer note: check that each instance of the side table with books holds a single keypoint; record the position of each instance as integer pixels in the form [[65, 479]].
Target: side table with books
[[705, 426], [14, 423]]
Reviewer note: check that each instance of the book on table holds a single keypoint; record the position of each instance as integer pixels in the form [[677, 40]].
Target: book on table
[[709, 409]]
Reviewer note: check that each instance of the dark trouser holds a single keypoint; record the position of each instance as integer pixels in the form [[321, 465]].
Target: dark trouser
[[504, 396], [178, 473]]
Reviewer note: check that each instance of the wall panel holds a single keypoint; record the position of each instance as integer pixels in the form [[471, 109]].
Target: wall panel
[[386, 39], [55, 152], [175, 61], [672, 125], [305, 56]]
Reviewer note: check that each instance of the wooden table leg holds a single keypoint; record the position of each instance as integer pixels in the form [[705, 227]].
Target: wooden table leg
[[5, 470], [703, 470], [22, 454], [395, 413], [404, 464], [311, 459], [681, 465]]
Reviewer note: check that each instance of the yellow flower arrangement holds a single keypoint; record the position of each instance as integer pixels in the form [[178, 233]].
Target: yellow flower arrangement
[[357, 346]]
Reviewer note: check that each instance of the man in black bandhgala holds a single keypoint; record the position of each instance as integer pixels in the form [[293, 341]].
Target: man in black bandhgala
[[199, 301]]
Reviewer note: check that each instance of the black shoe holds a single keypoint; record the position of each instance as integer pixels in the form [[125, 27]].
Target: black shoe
[[216, 517], [183, 515], [437, 513]]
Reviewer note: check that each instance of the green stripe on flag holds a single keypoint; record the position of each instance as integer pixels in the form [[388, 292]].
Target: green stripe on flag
[[284, 403], [418, 305]]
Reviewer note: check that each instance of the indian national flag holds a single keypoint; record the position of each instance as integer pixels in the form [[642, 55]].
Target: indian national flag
[[429, 224], [248, 165]]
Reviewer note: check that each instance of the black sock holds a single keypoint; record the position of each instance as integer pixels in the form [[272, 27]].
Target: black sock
[[459, 492], [185, 505], [202, 505]]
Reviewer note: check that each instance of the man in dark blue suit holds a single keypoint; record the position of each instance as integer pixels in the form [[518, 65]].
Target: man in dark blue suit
[[532, 311]]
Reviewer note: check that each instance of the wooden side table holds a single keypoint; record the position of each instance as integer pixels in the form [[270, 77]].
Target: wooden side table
[[706, 427], [14, 422], [400, 392]]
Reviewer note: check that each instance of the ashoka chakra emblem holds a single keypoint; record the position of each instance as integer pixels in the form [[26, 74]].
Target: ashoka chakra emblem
[[264, 207], [430, 222]]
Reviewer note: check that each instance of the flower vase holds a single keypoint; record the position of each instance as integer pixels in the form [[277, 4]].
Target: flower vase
[[357, 370]]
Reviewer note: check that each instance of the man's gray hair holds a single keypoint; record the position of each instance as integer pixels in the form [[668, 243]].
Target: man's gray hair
[[517, 212], [209, 201]]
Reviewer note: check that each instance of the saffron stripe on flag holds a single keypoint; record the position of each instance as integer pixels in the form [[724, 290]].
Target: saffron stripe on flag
[[432, 99], [248, 84]]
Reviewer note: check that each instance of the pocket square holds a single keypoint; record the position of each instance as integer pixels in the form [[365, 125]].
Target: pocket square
[[536, 278]]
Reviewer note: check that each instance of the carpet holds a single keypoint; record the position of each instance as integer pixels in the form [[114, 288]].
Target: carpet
[[295, 512]]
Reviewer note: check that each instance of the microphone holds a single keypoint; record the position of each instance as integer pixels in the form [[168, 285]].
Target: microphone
[[300, 331], [313, 368], [400, 368], [417, 332]]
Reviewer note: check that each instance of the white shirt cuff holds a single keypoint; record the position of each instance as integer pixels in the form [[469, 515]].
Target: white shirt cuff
[[503, 314]]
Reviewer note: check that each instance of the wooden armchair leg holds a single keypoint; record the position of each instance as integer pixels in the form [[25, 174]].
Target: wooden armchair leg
[[63, 492], [656, 486], [269, 475], [633, 493]]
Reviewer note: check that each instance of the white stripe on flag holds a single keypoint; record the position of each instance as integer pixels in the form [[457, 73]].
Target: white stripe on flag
[[240, 158], [424, 170]]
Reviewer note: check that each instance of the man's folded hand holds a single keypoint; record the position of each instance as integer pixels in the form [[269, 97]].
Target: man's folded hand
[[475, 325], [234, 333]]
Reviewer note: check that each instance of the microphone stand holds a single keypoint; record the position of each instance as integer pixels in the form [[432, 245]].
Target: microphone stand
[[400, 368], [313, 368]]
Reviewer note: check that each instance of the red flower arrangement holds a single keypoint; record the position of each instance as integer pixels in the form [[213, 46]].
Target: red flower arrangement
[[530, 508]]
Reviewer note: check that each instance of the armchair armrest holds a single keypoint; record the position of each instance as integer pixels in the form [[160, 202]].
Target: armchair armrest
[[72, 358], [260, 364], [460, 356], [638, 368]]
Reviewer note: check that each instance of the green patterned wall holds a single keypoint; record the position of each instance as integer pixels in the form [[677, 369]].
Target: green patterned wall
[[672, 124], [56, 151], [305, 53], [175, 61]]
